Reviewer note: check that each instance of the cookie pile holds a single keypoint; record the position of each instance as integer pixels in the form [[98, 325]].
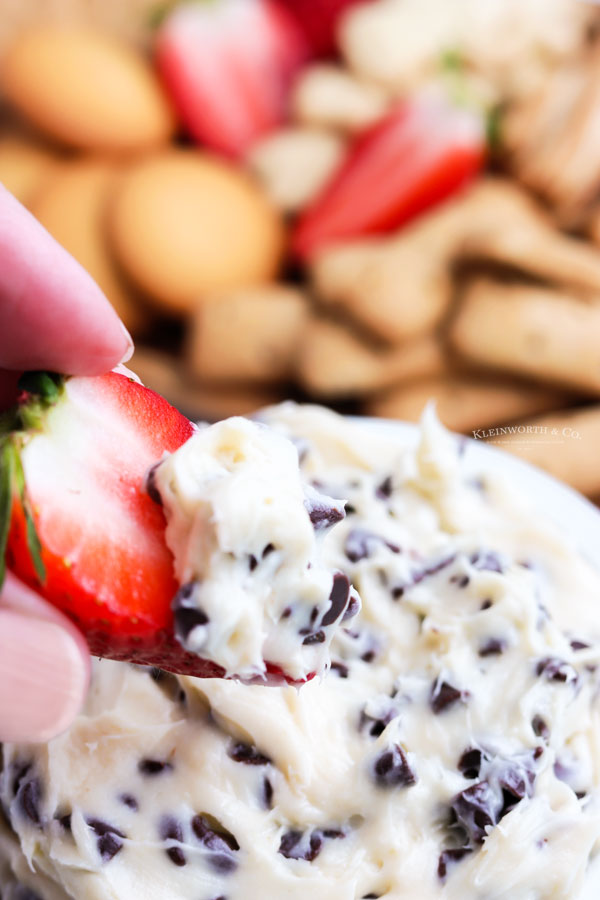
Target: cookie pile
[[197, 216]]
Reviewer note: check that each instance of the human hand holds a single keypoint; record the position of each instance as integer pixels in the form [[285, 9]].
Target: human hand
[[52, 316]]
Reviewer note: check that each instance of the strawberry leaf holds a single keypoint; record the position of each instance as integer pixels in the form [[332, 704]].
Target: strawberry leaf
[[39, 391], [43, 384]]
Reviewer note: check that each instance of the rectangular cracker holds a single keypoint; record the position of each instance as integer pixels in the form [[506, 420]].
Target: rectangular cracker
[[530, 331], [397, 288], [565, 444], [333, 362], [465, 402], [503, 224], [247, 335]]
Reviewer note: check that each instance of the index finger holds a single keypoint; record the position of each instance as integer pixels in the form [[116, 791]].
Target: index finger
[[52, 314]]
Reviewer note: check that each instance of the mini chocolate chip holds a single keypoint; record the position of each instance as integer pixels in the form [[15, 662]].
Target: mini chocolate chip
[[540, 728], [488, 560], [371, 897], [322, 514], [268, 549], [65, 821], [476, 809], [150, 484], [384, 490], [449, 857], [221, 844], [350, 509], [292, 847], [554, 669], [130, 801], [338, 599], [317, 638], [391, 769], [153, 767], [19, 771], [579, 645], [267, 794], [252, 562], [177, 856], [470, 762], [286, 613], [109, 841], [368, 656], [461, 581], [507, 782], [433, 568], [186, 618], [340, 669], [486, 604], [248, 754], [493, 647], [361, 544], [168, 684], [170, 830], [444, 695], [517, 779], [29, 798], [375, 726], [210, 836]]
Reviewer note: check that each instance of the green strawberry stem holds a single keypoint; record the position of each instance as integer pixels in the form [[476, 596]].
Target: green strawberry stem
[[38, 391]]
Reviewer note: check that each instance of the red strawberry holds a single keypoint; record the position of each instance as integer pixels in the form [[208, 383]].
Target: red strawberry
[[417, 156], [319, 19], [228, 65], [83, 530], [77, 522]]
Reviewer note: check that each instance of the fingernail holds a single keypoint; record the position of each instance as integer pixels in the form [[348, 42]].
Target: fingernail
[[130, 348], [43, 678]]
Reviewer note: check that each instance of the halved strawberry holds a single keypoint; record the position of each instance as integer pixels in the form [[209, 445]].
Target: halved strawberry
[[76, 521], [228, 66], [422, 152]]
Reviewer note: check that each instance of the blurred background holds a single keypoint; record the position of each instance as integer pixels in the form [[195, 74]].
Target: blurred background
[[362, 204]]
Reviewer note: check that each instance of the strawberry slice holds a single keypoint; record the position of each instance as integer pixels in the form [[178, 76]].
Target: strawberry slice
[[421, 153], [228, 66], [319, 21], [75, 520]]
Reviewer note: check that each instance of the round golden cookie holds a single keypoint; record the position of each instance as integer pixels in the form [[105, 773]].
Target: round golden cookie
[[185, 224], [86, 89], [25, 167], [73, 207]]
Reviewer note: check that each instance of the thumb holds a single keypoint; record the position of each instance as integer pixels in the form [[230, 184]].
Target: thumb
[[44, 667]]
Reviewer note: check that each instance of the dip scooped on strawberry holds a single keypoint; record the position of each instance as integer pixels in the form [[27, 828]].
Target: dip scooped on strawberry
[[81, 524]]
